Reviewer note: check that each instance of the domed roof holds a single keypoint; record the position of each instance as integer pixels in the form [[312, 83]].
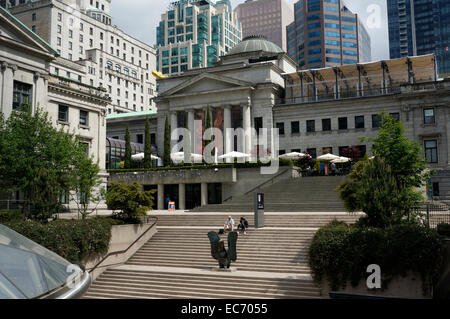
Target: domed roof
[[255, 43]]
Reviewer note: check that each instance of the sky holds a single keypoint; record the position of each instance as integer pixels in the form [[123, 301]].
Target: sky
[[139, 18]]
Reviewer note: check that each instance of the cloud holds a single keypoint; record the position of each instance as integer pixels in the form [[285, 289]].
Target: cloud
[[139, 18]]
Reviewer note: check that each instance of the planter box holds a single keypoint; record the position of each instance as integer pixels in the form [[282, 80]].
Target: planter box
[[398, 287], [122, 236]]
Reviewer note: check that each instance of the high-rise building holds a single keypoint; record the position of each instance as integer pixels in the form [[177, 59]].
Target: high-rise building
[[95, 52], [418, 27], [326, 33], [194, 33], [266, 17]]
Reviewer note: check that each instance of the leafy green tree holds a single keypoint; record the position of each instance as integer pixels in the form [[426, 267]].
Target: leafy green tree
[[385, 187], [148, 146], [87, 191], [167, 160], [208, 124], [37, 159], [127, 164], [130, 199]]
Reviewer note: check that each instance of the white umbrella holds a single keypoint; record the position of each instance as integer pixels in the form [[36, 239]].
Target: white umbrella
[[328, 157], [341, 159], [140, 157], [179, 157], [233, 155], [293, 155]]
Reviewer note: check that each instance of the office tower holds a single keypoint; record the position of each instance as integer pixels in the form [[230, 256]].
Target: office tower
[[418, 27], [326, 33], [95, 52], [266, 17], [194, 33]]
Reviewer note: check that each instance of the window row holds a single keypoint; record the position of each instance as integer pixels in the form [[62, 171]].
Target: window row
[[63, 115]]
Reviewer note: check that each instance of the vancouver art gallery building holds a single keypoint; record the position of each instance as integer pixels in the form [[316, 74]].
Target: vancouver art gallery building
[[256, 85]]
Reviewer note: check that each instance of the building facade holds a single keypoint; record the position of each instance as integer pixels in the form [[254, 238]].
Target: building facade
[[194, 34], [266, 17], [326, 33], [25, 78], [82, 32], [418, 27]]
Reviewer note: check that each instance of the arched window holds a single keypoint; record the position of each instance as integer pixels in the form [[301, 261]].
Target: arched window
[[109, 65], [126, 71], [118, 68], [134, 74]]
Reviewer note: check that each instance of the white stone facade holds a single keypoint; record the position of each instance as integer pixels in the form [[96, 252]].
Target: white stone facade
[[82, 31]]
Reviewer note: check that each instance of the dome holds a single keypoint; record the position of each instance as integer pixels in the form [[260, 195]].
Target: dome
[[255, 43]]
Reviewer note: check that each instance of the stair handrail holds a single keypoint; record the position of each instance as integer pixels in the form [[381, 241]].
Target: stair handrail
[[131, 245], [270, 180]]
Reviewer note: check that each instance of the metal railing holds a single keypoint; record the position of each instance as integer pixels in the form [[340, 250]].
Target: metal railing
[[12, 204], [434, 213]]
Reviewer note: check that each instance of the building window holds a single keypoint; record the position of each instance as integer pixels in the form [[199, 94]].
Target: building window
[[327, 150], [342, 123], [310, 126], [280, 127], [84, 118], [395, 116], [312, 152], [431, 151], [359, 121], [295, 127], [63, 113], [376, 121], [326, 125], [21, 95], [140, 138], [281, 152], [428, 116], [435, 189]]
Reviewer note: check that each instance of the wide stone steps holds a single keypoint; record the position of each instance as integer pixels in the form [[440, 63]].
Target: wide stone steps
[[142, 284]]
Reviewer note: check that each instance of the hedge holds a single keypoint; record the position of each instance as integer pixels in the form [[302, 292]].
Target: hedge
[[341, 253], [12, 215], [75, 240]]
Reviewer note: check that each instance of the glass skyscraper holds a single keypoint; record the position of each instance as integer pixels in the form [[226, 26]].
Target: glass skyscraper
[[326, 33], [418, 27], [194, 33]]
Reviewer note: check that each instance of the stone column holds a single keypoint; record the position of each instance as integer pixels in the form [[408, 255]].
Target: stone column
[[7, 88], [191, 125], [247, 123], [40, 90], [204, 194], [160, 196], [182, 196], [228, 137]]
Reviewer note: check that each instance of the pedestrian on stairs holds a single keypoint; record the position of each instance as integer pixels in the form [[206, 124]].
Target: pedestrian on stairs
[[229, 224], [243, 225]]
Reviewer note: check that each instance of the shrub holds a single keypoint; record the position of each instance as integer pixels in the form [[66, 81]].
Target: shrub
[[9, 216], [443, 229], [130, 200], [75, 240], [341, 253]]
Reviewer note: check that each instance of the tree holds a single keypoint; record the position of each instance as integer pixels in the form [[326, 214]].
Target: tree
[[167, 142], [87, 191], [148, 146], [384, 187], [127, 149], [37, 159], [130, 199], [352, 152]]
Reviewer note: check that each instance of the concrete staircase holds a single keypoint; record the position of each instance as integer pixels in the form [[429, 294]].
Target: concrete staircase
[[308, 194], [176, 262]]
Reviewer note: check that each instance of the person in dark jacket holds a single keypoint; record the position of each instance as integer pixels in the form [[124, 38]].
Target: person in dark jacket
[[243, 225]]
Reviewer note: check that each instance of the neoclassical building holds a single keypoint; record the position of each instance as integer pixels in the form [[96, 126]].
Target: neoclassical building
[[25, 78]]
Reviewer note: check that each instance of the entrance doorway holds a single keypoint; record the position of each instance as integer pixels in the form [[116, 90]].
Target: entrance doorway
[[215, 193], [171, 192], [193, 195]]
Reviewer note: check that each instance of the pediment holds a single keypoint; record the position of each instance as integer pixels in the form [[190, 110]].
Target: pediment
[[13, 31], [206, 82]]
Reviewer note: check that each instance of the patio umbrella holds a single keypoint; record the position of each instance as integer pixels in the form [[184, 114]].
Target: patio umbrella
[[140, 157], [179, 157], [294, 155], [234, 155], [327, 157], [341, 159]]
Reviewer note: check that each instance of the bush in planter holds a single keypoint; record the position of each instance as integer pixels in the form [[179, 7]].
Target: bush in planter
[[341, 253], [130, 199], [443, 229], [11, 215], [75, 240]]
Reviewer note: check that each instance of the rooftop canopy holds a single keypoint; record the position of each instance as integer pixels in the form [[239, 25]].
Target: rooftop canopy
[[355, 80]]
